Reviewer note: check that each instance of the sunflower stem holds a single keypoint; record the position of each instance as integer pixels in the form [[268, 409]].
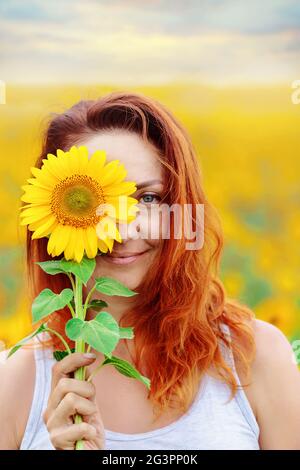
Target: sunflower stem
[[87, 301], [60, 337], [79, 347], [72, 282], [72, 310], [95, 372]]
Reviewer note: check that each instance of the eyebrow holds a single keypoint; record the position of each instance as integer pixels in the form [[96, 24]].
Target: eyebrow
[[148, 183]]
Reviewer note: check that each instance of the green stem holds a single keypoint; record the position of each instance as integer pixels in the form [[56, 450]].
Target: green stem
[[79, 347], [87, 300], [60, 337], [71, 310], [95, 372], [72, 282]]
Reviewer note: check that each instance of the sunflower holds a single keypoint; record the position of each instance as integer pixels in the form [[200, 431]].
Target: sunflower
[[71, 200]]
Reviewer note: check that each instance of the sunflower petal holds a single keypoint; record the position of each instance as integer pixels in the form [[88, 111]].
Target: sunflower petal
[[45, 228], [96, 163], [90, 242], [42, 209], [44, 177], [102, 246], [79, 245], [69, 250], [35, 217], [108, 173], [53, 241], [37, 183], [126, 188], [62, 239], [119, 175], [123, 207]]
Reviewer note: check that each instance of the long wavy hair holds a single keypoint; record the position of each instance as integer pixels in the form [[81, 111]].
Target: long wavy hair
[[182, 305]]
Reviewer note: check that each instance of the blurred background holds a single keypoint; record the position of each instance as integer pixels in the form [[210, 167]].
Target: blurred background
[[225, 68]]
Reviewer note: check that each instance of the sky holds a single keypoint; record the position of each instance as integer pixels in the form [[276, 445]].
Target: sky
[[149, 41]]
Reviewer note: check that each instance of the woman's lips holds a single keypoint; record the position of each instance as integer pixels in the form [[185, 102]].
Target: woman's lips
[[127, 260]]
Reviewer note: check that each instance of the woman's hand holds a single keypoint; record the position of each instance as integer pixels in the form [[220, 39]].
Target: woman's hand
[[69, 397]]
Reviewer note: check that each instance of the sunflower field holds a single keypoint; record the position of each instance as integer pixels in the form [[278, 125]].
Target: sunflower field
[[247, 140]]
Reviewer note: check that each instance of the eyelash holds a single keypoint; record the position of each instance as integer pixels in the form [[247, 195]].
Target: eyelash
[[150, 194]]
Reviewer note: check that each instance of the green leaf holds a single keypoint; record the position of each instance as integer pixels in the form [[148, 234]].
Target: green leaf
[[109, 286], [51, 267], [74, 328], [97, 305], [83, 270], [24, 340], [59, 355], [126, 332], [102, 333], [48, 302], [127, 369]]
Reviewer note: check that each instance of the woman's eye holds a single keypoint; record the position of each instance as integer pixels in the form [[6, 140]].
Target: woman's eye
[[148, 198]]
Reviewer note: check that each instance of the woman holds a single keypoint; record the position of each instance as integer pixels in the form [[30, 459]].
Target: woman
[[194, 343]]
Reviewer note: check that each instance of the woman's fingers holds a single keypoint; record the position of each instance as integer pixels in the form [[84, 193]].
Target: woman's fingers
[[67, 385], [70, 397], [67, 365], [65, 438], [70, 405]]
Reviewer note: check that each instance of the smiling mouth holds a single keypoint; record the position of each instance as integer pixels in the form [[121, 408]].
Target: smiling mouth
[[124, 259]]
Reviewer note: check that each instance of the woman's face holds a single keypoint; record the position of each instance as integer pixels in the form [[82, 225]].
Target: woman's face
[[143, 167]]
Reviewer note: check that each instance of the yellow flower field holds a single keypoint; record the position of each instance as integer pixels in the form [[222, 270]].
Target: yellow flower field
[[247, 141]]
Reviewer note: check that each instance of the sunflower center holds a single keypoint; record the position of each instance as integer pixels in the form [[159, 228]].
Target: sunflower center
[[75, 200]]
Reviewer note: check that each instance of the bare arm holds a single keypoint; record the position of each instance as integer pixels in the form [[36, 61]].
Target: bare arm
[[16, 393], [277, 388]]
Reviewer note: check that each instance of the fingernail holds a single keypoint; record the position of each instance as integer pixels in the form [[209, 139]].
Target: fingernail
[[90, 355]]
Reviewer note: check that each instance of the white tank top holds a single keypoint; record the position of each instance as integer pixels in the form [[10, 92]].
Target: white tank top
[[211, 423]]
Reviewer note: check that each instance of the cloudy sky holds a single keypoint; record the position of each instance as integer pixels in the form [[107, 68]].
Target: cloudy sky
[[149, 41]]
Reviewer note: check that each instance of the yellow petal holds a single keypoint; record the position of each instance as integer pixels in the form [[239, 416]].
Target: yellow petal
[[35, 217], [109, 242], [69, 250], [83, 158], [62, 239], [52, 165], [53, 241], [126, 188], [79, 245], [32, 205], [74, 160], [34, 194], [96, 163], [90, 242], [102, 246], [109, 172], [36, 225], [45, 228], [44, 177], [119, 175], [36, 182], [29, 211], [122, 207]]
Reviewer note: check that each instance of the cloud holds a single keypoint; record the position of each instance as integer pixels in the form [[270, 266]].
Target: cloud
[[143, 41]]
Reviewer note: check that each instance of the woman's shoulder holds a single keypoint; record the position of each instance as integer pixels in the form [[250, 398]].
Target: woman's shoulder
[[16, 392], [274, 386], [272, 348]]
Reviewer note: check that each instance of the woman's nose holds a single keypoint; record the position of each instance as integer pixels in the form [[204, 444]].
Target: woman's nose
[[129, 231]]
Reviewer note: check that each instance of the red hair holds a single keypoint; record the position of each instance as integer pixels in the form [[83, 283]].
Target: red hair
[[182, 304]]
